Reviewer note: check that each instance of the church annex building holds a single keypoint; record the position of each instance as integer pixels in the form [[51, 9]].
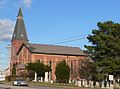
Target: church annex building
[[23, 52]]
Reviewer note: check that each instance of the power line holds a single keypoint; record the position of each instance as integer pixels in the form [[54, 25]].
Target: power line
[[70, 40], [67, 39]]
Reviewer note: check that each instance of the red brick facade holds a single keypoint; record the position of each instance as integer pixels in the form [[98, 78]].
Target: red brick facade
[[14, 49], [25, 57]]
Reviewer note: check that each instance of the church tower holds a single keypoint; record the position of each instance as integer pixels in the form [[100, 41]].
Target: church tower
[[19, 37]]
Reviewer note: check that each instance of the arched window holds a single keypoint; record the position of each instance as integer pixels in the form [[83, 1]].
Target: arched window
[[37, 61], [72, 67], [50, 63]]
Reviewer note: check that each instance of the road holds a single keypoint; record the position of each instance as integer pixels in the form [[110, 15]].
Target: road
[[4, 86]]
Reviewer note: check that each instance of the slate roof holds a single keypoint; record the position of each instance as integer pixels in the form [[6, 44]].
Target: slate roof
[[20, 31], [54, 49]]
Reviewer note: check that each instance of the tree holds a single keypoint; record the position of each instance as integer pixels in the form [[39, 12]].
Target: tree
[[14, 70], [105, 49], [62, 72], [85, 69], [40, 68]]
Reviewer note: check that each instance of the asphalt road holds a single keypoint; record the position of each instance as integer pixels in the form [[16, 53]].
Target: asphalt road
[[4, 86]]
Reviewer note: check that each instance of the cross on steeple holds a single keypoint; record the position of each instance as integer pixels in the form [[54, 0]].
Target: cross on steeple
[[20, 3]]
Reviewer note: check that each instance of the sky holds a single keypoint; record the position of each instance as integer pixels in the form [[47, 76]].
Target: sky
[[57, 22]]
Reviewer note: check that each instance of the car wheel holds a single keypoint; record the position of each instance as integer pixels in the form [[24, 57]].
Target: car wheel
[[18, 84]]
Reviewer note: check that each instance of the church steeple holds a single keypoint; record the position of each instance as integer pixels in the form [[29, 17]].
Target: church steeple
[[20, 13], [20, 31], [19, 37]]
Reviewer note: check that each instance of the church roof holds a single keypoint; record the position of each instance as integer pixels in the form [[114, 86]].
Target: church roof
[[20, 31], [54, 49]]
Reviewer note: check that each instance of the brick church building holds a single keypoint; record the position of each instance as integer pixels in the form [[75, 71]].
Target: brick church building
[[23, 52]]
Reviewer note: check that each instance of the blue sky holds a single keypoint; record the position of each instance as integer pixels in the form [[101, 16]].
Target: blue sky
[[55, 21]]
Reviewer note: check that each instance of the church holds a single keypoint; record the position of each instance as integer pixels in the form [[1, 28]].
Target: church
[[23, 52]]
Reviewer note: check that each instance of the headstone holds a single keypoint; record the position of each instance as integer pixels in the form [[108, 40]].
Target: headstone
[[79, 83], [73, 81], [117, 85], [46, 77], [86, 85], [35, 79], [107, 85], [41, 79], [50, 76], [97, 85], [111, 86], [83, 82], [91, 84], [51, 81], [70, 81], [102, 85], [76, 82]]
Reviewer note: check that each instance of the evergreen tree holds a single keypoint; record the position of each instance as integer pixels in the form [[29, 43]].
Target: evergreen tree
[[62, 72], [105, 49]]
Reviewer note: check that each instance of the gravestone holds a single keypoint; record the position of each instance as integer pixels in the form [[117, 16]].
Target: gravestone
[[86, 84], [35, 78], [91, 84], [76, 82], [41, 79], [107, 85], [46, 77], [51, 81], [111, 86], [102, 85], [97, 85], [79, 83]]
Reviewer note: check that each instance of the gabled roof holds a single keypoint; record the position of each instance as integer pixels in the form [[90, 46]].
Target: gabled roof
[[53, 49], [20, 31]]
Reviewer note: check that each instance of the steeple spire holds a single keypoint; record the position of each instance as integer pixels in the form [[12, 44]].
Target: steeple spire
[[20, 31], [20, 13]]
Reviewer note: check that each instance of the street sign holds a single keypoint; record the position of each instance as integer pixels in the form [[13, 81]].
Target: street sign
[[111, 77]]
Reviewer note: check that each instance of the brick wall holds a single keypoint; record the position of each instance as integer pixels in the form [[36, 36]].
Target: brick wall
[[73, 61], [15, 45]]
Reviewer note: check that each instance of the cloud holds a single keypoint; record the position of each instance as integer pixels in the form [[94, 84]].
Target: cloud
[[27, 3], [6, 29]]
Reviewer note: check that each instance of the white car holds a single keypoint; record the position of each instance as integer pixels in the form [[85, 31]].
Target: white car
[[20, 82]]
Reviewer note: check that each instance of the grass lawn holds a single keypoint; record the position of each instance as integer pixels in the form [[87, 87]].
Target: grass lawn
[[59, 85]]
